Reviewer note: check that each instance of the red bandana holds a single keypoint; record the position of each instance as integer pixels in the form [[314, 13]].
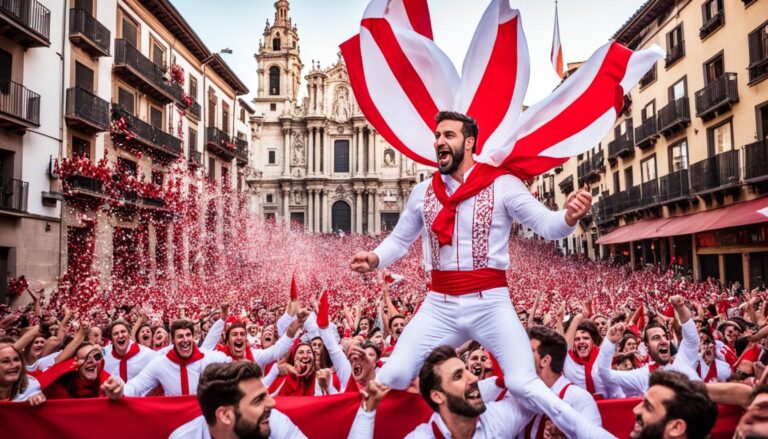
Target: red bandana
[[588, 364], [481, 176], [182, 362], [132, 352]]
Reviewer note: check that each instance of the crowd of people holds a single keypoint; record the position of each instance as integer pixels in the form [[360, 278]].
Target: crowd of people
[[597, 336]]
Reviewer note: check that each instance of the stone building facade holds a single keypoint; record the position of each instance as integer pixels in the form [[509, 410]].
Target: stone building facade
[[318, 162]]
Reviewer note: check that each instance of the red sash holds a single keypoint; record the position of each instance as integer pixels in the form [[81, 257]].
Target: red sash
[[711, 373], [588, 364], [455, 283], [544, 418], [132, 352], [182, 362]]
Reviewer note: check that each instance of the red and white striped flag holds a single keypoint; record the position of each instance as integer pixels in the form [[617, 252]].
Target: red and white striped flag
[[556, 55]]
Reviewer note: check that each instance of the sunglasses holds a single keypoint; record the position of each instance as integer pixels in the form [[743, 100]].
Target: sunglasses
[[93, 355]]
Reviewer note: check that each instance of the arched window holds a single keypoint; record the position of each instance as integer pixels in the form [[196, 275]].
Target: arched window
[[341, 217], [276, 42], [341, 156], [274, 80]]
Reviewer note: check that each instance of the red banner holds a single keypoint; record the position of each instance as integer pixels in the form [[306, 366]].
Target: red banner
[[318, 417]]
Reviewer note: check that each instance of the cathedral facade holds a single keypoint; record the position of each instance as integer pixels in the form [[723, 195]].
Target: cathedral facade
[[318, 162]]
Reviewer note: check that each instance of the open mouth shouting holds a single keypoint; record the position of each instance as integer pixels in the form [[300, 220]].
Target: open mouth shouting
[[121, 343], [444, 156], [583, 349], [476, 369], [472, 394], [664, 352], [185, 348]]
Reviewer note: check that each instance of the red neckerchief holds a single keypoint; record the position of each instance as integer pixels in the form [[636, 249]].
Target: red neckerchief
[[295, 386], [653, 366], [588, 364], [248, 353], [544, 419], [711, 373], [174, 357], [132, 352], [482, 176]]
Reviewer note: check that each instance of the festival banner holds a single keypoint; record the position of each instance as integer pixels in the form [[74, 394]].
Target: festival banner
[[326, 417]]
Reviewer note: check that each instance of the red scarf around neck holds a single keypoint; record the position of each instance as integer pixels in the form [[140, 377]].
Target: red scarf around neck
[[588, 364], [133, 350], [182, 362], [711, 373], [653, 366], [481, 176], [295, 386], [55, 381], [225, 349]]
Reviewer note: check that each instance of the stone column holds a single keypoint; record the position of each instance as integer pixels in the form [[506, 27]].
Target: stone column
[[310, 217], [286, 150], [310, 152], [359, 211], [371, 201], [352, 154], [286, 206], [402, 165], [376, 215], [359, 148], [261, 73], [316, 144], [371, 153], [324, 212], [316, 212], [327, 151]]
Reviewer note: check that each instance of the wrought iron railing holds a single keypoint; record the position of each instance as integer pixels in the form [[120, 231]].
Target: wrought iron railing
[[29, 14], [18, 101], [80, 21], [83, 104]]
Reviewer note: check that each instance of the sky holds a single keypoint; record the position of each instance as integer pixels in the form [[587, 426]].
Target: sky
[[585, 25]]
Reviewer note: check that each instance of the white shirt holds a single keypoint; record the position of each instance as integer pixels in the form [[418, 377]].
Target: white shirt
[[33, 388], [723, 369], [136, 364], [483, 222], [575, 397], [577, 374], [165, 372], [280, 425], [635, 382], [501, 419], [43, 363]]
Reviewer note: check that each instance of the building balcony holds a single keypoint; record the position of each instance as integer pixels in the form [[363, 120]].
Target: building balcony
[[674, 117], [83, 184], [758, 70], [19, 106], [13, 194], [674, 53], [218, 142], [646, 134], [241, 151], [621, 146], [86, 111], [85, 31], [648, 78], [674, 187], [140, 71], [649, 194], [630, 199], [566, 186], [714, 174], [194, 110], [195, 158], [711, 25], [558, 169], [154, 139], [25, 21], [589, 170], [717, 97], [152, 202], [755, 160]]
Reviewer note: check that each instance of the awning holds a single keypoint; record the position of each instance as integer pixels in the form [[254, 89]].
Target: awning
[[735, 215]]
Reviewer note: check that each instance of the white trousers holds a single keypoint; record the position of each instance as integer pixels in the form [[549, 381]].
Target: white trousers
[[489, 318]]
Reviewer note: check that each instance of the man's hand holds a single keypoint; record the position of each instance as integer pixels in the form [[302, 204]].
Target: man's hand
[[364, 262], [224, 311], [112, 388], [298, 322], [577, 205], [373, 394], [615, 332]]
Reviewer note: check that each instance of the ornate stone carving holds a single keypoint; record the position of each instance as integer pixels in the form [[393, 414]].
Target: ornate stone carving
[[340, 191], [341, 104], [298, 156], [298, 197], [389, 158]]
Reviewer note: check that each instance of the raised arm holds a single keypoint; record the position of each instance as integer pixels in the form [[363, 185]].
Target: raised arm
[[71, 347], [521, 205], [27, 338]]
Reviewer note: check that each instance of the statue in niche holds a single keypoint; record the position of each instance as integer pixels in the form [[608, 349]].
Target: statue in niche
[[389, 158], [298, 197], [341, 104], [298, 149]]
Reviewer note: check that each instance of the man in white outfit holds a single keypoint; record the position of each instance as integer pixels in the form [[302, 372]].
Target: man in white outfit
[[459, 411], [236, 405], [465, 227]]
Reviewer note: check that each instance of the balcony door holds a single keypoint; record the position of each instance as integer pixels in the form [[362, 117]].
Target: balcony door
[[713, 69], [85, 5], [84, 77]]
